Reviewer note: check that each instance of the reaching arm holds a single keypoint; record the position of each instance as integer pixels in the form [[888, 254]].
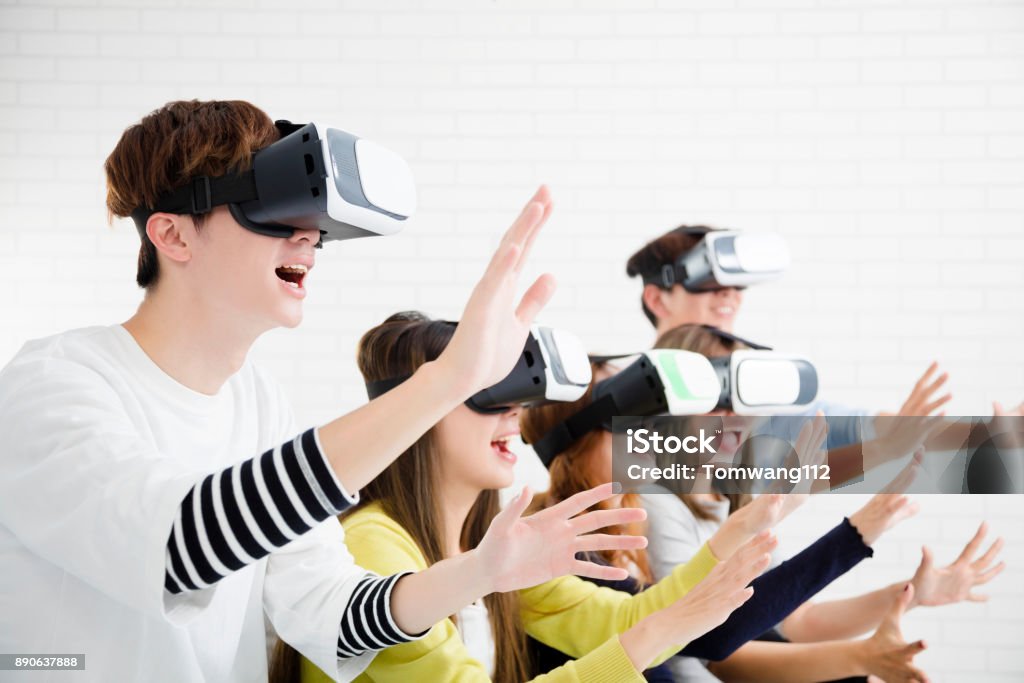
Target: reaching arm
[[838, 619], [886, 655], [933, 587], [517, 552], [790, 662]]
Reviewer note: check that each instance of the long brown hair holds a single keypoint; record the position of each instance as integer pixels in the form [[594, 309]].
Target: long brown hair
[[410, 489], [700, 339], [574, 470]]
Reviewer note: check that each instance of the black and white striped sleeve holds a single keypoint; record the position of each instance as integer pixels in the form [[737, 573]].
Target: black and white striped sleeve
[[241, 514], [367, 624]]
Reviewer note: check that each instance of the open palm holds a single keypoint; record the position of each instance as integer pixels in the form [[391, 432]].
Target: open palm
[[492, 330], [887, 653], [936, 586], [526, 551]]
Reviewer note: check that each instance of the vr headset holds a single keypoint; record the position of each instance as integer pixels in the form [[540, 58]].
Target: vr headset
[[760, 381], [724, 259], [660, 381], [313, 177], [552, 367]]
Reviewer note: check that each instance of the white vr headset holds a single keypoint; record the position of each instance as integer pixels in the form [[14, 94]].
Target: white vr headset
[[313, 177], [724, 259], [761, 382], [552, 367]]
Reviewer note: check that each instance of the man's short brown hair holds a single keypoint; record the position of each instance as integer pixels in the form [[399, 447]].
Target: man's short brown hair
[[662, 251], [171, 146]]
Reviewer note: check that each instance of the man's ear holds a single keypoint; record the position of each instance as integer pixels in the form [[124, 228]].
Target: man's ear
[[653, 299], [170, 234]]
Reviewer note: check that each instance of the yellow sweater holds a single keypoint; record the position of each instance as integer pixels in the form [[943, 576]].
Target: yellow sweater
[[570, 614]]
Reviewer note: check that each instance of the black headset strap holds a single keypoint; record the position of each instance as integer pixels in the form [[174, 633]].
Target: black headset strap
[[722, 334], [610, 357], [564, 434], [200, 195], [666, 276]]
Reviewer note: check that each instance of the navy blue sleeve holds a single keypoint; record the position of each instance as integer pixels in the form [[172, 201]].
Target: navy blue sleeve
[[781, 590]]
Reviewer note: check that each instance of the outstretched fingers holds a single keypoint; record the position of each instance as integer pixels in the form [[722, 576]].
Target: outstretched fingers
[[904, 477], [599, 519], [527, 224], [592, 570], [969, 551], [989, 556], [543, 197], [989, 574], [512, 512], [936, 404], [577, 503], [927, 376], [755, 552], [535, 298], [600, 542]]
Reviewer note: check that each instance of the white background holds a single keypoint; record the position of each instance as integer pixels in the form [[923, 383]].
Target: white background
[[885, 140]]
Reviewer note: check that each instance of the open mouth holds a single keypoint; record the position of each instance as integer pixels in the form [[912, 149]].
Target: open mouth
[[729, 441], [500, 447], [292, 275]]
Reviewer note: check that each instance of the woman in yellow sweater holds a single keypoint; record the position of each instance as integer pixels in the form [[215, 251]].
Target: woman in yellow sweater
[[438, 498]]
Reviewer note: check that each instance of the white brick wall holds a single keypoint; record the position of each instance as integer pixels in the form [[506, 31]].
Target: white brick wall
[[884, 139]]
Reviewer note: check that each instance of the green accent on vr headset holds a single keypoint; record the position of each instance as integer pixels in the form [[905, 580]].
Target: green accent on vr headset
[[670, 371]]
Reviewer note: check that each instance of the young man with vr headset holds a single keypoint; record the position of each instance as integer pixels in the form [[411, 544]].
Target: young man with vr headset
[[695, 274], [139, 523]]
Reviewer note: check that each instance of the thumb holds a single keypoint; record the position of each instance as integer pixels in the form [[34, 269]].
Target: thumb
[[915, 648], [926, 559], [513, 511], [997, 408], [900, 606]]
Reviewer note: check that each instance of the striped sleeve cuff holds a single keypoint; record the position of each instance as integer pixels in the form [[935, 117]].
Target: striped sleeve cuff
[[241, 514], [367, 624]]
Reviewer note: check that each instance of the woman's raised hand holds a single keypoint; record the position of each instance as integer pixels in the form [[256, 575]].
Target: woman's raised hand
[[706, 606], [722, 591], [520, 552], [922, 400], [888, 508], [493, 328], [886, 654], [955, 582], [767, 510]]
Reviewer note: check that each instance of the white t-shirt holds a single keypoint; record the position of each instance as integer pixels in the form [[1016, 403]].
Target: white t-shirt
[[474, 628], [100, 448]]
